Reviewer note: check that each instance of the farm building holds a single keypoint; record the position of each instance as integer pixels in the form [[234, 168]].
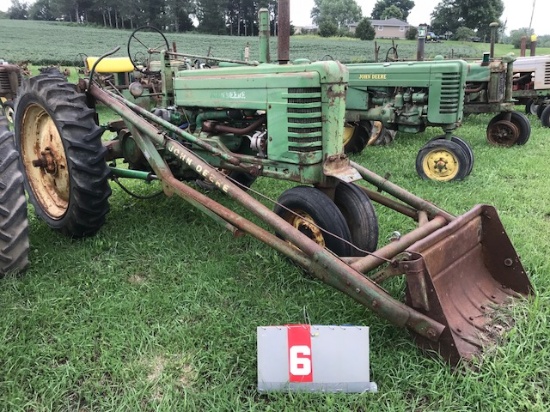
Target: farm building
[[389, 29]]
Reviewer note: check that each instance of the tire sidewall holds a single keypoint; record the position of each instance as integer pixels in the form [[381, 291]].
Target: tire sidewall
[[360, 216], [522, 122]]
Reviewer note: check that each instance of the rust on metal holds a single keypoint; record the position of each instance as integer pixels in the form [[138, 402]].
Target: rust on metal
[[392, 249], [283, 32], [390, 203], [44, 160], [459, 275], [400, 193], [339, 166], [298, 247], [416, 282], [212, 126]]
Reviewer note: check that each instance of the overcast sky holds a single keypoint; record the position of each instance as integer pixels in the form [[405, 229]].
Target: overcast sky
[[516, 12]]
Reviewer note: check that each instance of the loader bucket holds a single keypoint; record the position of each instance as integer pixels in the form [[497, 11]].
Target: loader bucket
[[460, 276]]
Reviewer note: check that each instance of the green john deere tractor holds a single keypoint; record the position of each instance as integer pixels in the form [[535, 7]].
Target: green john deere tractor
[[228, 125], [408, 97]]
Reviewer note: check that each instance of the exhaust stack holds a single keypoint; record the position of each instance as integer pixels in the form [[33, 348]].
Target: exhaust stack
[[283, 31]]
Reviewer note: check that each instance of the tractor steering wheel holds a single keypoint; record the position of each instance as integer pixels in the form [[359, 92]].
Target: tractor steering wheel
[[141, 38]]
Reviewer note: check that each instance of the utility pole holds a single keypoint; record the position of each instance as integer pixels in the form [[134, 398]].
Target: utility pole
[[532, 14]]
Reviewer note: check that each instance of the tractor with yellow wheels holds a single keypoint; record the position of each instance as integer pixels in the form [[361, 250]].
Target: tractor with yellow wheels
[[383, 98]]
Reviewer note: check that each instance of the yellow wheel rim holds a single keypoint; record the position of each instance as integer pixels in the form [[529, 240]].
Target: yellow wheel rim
[[45, 161], [440, 164], [306, 225], [348, 133]]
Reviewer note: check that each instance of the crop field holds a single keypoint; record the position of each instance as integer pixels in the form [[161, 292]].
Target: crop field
[[158, 311], [51, 43]]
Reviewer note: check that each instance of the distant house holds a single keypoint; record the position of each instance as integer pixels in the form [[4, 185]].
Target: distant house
[[305, 29], [388, 29]]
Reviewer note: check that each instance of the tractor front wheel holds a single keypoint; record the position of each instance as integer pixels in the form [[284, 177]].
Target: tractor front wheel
[[315, 215], [14, 239], [464, 146], [356, 136], [442, 160], [7, 107], [519, 120], [540, 109], [63, 159], [502, 133], [360, 216], [545, 116], [531, 107]]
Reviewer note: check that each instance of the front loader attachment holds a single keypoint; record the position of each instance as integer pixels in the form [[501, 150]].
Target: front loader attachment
[[456, 268], [461, 276]]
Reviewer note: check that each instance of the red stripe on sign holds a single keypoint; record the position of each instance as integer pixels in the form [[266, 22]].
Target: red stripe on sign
[[300, 365]]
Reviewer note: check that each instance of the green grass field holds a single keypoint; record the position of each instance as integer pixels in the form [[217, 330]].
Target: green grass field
[[158, 311]]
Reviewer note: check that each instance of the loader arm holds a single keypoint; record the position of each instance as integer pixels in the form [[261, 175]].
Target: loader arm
[[345, 274]]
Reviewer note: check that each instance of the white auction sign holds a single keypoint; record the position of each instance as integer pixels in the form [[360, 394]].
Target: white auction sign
[[314, 358]]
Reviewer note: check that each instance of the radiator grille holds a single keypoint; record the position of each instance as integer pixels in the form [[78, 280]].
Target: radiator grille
[[547, 74], [5, 84], [450, 93], [305, 121]]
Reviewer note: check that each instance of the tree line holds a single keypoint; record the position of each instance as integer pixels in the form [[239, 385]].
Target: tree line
[[462, 19], [234, 17]]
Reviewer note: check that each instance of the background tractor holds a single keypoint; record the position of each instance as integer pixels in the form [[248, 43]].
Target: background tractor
[[489, 90], [408, 97], [285, 121], [10, 81], [532, 86]]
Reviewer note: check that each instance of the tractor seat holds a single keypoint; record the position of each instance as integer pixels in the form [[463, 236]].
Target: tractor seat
[[111, 64]]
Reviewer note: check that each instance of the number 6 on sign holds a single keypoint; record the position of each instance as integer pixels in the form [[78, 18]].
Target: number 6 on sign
[[299, 354], [299, 360]]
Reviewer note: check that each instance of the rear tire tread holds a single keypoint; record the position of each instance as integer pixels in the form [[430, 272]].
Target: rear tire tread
[[14, 226], [84, 151]]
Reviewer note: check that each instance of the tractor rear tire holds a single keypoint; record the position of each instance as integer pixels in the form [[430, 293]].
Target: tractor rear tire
[[315, 215], [360, 216], [62, 156], [14, 226]]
